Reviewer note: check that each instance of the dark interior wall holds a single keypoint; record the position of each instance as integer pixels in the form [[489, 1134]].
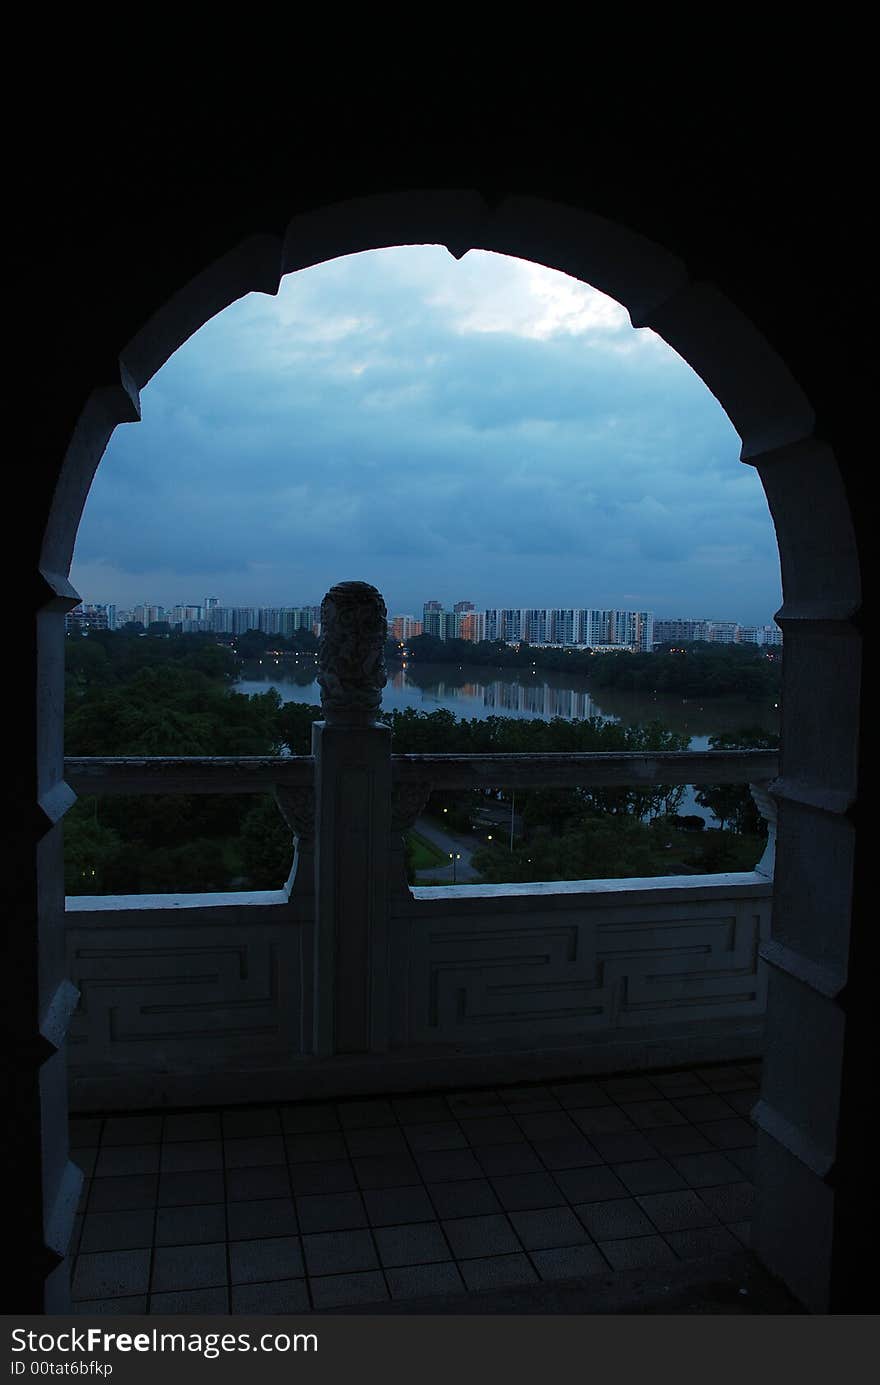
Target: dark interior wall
[[119, 213]]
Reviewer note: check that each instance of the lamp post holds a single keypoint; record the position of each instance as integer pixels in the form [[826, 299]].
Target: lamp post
[[512, 803], [453, 859]]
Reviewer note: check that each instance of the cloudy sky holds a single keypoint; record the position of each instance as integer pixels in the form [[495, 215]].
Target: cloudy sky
[[482, 429]]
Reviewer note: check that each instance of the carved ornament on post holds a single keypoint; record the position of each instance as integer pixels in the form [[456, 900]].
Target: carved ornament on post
[[407, 802], [298, 810], [351, 653], [766, 806]]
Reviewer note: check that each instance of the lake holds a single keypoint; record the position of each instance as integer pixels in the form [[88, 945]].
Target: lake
[[479, 691]]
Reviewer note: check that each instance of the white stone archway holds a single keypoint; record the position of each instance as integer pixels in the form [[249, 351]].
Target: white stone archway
[[798, 1114]]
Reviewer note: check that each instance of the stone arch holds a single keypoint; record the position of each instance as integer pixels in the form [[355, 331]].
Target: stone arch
[[820, 573]]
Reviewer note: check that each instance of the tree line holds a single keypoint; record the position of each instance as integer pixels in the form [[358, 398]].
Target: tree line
[[135, 694]]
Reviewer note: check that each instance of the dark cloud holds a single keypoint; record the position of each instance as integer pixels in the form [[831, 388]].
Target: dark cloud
[[439, 435]]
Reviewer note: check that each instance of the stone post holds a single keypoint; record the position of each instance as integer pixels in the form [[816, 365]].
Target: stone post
[[766, 806], [352, 753]]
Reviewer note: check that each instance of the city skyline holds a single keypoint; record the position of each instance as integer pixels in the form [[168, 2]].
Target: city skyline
[[392, 415]]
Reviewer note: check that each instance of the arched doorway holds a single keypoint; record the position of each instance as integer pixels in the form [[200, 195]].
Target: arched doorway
[[798, 1114]]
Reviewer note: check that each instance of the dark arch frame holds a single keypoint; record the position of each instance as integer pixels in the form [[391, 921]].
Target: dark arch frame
[[798, 1114]]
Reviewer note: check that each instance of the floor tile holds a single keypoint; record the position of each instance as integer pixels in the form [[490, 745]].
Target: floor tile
[[473, 1236], [318, 1146], [264, 1180], [742, 1230], [567, 1152], [676, 1084], [706, 1170], [339, 1252], [277, 1297], [725, 1079], [391, 1206], [190, 1188], [85, 1158], [331, 1211], [447, 1165], [189, 1267], [90, 1307], [435, 1135], [417, 1244], [416, 1110], [191, 1225], [111, 1273], [524, 1191], [251, 1151], [548, 1228], [497, 1271], [744, 1159], [638, 1252], [703, 1108], [569, 1262], [530, 1101], [602, 1120], [614, 1219], [470, 1197], [579, 1094], [117, 1230], [354, 1115], [191, 1301], [623, 1148], [491, 1130], [123, 1194], [734, 1202], [264, 1258], [743, 1102], [191, 1126], [270, 1216], [677, 1139], [729, 1134], [510, 1158], [414, 1281], [379, 1139], [391, 1170], [131, 1130], [301, 1120], [649, 1176], [589, 1185], [482, 1103], [629, 1088], [251, 1123], [126, 1159], [677, 1211], [649, 1115], [347, 1290], [185, 1155], [548, 1125], [324, 1176], [85, 1131], [700, 1242]]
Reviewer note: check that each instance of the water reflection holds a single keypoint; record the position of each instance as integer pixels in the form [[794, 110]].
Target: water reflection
[[470, 691]]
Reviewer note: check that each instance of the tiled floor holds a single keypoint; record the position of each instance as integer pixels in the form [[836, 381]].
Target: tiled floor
[[311, 1206]]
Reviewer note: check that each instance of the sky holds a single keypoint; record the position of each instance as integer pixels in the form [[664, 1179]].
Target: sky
[[482, 429]]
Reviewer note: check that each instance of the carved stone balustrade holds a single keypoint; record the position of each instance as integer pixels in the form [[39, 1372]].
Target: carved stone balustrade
[[347, 980]]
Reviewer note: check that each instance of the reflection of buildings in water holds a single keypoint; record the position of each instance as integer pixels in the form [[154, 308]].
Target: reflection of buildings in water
[[501, 696], [538, 700]]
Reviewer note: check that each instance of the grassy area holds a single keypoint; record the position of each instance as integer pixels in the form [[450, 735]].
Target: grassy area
[[424, 854]]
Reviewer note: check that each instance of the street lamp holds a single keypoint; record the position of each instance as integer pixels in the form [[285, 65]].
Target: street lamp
[[453, 859]]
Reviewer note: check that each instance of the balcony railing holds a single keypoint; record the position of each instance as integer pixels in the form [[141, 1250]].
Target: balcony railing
[[349, 980]]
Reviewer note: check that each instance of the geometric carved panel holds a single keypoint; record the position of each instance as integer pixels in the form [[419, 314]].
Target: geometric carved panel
[[582, 969], [191, 990]]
